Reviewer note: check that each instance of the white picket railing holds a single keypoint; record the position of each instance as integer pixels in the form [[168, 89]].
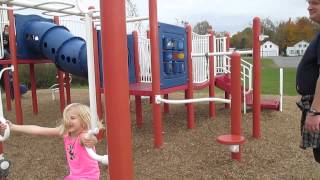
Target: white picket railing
[[200, 65], [144, 59], [75, 25], [220, 45]]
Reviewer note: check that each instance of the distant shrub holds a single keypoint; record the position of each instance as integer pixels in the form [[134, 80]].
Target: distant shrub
[[45, 76]]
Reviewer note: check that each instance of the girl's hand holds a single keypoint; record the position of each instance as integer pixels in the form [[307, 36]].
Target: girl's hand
[[3, 126], [89, 142]]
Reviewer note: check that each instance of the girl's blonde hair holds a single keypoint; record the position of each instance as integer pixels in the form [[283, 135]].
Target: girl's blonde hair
[[82, 111]]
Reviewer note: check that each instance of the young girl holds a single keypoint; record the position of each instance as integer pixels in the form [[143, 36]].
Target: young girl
[[74, 125]]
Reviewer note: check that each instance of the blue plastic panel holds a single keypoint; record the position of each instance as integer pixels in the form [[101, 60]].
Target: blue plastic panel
[[132, 78], [173, 56]]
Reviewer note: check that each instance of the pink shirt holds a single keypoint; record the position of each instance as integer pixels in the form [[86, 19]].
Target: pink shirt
[[81, 165]]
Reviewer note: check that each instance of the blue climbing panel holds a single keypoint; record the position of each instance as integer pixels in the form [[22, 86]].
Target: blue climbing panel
[[173, 55]]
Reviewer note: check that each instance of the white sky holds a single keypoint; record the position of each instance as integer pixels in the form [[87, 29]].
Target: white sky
[[223, 15]]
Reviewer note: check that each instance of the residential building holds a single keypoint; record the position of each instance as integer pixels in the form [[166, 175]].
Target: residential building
[[298, 49]]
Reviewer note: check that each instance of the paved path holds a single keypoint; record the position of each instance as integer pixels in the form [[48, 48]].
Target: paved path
[[290, 62]]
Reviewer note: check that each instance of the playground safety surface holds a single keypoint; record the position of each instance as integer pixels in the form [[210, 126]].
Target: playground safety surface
[[186, 154]]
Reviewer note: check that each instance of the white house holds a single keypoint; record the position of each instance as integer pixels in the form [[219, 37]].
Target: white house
[[298, 49], [268, 48]]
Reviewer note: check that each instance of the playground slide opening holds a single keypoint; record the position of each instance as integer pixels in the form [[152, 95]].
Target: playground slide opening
[[39, 37]]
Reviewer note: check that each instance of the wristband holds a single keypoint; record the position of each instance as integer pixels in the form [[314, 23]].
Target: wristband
[[313, 112]]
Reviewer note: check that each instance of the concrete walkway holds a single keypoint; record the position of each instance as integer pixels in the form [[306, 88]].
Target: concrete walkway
[[286, 62]]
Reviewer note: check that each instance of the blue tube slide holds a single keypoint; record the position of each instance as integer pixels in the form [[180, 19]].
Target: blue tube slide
[[56, 43]]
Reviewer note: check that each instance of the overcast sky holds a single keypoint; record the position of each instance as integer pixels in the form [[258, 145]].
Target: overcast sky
[[225, 15]]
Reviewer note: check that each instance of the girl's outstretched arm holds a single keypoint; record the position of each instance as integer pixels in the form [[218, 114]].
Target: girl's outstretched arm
[[34, 130]]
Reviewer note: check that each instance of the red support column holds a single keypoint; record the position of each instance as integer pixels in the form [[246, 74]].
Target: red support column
[[155, 68], [97, 73], [137, 98], [60, 79], [33, 89], [189, 92], [17, 95], [166, 105], [100, 135], [212, 107], [6, 81], [256, 78], [227, 41], [236, 116], [116, 88], [226, 94], [61, 89], [68, 93]]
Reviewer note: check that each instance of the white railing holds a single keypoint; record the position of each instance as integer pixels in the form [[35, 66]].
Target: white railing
[[200, 65], [75, 25], [144, 59], [246, 77], [55, 87], [220, 45]]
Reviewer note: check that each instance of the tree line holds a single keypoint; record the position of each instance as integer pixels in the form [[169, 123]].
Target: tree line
[[283, 33]]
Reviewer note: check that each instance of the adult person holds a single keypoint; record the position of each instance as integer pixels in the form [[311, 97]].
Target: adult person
[[308, 86], [5, 38]]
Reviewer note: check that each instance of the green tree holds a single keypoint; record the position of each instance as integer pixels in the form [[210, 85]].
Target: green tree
[[202, 27], [243, 39]]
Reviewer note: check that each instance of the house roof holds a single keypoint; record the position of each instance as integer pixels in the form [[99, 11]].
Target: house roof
[[268, 42], [302, 41]]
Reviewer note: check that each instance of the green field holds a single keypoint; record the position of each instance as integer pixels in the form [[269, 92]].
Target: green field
[[270, 78]]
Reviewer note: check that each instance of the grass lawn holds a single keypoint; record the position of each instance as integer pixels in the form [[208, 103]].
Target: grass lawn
[[270, 78]]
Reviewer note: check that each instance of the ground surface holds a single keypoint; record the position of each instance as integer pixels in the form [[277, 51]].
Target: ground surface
[[186, 154]]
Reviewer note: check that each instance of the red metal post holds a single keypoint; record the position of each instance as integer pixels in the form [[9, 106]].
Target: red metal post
[[116, 88], [97, 73], [7, 88], [61, 89], [33, 89], [100, 135], [60, 78], [226, 94], [212, 107], [189, 92], [256, 78], [137, 98], [13, 51], [166, 105], [236, 99], [155, 68], [68, 93], [227, 41], [139, 119]]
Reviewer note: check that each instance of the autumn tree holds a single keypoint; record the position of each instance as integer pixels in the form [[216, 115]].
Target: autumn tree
[[243, 39], [202, 27]]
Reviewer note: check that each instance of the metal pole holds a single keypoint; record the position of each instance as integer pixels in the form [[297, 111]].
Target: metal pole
[[155, 68], [256, 79], [189, 94], [13, 51], [116, 88], [212, 107], [236, 116]]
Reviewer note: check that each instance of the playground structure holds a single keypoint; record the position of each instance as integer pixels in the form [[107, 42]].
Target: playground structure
[[181, 56]]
